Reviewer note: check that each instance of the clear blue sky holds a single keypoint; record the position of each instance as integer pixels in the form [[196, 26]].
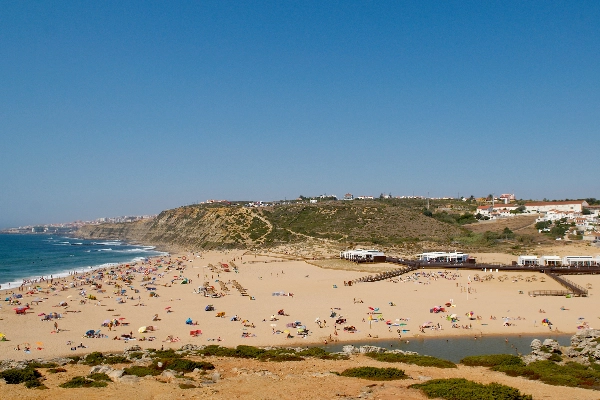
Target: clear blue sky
[[122, 108]]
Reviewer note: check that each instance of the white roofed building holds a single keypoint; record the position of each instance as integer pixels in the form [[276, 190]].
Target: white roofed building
[[528, 260], [545, 206], [440, 256], [360, 255]]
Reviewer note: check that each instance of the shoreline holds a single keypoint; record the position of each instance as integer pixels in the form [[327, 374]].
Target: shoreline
[[62, 273]]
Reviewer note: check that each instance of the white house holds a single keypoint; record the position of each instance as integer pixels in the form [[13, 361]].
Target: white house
[[441, 256], [484, 210], [545, 206], [578, 261], [528, 260], [550, 261], [363, 255]]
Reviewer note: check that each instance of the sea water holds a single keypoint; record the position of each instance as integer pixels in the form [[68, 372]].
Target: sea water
[[37, 255], [456, 348]]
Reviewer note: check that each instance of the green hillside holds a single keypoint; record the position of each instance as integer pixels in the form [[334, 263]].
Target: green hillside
[[374, 222]]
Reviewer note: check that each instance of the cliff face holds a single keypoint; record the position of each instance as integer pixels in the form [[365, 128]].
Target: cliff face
[[205, 227], [190, 227]]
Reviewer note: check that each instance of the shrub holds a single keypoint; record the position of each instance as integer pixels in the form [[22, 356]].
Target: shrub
[[56, 370], [555, 357], [423, 361], [313, 352], [99, 376], [136, 355], [218, 351], [80, 381], [375, 374], [183, 365], [116, 360], [74, 359], [14, 376], [94, 358], [492, 360], [460, 388], [36, 364], [570, 374], [35, 384], [248, 351]]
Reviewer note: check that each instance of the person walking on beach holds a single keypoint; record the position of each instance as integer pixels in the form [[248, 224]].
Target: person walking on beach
[[56, 326]]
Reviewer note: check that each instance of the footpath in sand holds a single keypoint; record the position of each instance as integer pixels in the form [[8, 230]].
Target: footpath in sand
[[257, 289]]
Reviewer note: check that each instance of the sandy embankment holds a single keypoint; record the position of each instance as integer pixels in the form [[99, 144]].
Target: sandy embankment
[[316, 291]]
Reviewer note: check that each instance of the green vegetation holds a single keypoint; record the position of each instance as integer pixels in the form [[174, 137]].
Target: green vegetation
[[175, 363], [492, 360], [182, 365], [36, 364], [99, 376], [56, 370], [14, 376], [452, 219], [423, 361], [375, 374], [462, 389], [97, 358], [81, 382], [140, 371], [570, 374], [267, 355]]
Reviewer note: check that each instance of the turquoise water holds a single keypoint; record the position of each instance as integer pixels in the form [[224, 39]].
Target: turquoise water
[[454, 349], [34, 256]]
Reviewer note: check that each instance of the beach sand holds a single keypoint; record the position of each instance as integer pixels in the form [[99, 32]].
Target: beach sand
[[316, 293]]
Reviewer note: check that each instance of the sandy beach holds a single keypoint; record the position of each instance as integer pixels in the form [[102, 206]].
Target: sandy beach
[[484, 304]]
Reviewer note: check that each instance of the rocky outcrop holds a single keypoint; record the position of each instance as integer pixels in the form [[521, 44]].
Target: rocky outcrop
[[547, 350], [584, 349]]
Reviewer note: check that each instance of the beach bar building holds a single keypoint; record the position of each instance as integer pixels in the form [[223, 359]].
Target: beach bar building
[[440, 256], [550, 261], [360, 255], [578, 261], [528, 260]]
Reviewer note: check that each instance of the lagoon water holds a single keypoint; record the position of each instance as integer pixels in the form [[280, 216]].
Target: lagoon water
[[34, 256], [455, 348]]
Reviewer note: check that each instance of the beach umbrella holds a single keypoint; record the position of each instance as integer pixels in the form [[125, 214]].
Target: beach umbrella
[[2, 336], [166, 308], [142, 329]]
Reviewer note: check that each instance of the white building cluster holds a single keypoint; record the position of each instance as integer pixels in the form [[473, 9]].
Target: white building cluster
[[440, 256], [556, 261]]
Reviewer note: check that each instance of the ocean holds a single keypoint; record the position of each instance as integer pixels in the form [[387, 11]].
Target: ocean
[[34, 256]]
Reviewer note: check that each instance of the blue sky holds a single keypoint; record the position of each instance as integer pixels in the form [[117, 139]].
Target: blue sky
[[124, 108]]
